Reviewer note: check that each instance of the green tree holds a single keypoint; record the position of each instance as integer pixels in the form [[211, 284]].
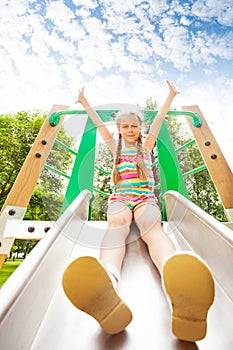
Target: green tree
[[17, 134], [22, 248], [200, 186], [151, 104], [51, 185]]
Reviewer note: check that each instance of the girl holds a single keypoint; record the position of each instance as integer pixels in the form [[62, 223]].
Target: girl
[[91, 284]]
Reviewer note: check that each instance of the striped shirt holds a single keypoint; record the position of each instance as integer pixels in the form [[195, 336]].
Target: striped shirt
[[130, 188]]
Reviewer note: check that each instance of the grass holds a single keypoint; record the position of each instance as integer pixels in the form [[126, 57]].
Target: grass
[[8, 268]]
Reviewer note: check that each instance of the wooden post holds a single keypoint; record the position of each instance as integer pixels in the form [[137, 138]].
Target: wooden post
[[2, 260], [27, 178], [215, 161]]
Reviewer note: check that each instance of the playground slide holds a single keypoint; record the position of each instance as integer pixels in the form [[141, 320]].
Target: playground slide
[[35, 314]]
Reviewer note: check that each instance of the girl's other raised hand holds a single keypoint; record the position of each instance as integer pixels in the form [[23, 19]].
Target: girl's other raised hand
[[81, 97], [172, 88]]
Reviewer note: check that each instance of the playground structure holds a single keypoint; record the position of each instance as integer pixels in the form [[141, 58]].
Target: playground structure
[[32, 302]]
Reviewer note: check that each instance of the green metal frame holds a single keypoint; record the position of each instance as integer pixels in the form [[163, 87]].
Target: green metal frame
[[82, 175], [171, 177]]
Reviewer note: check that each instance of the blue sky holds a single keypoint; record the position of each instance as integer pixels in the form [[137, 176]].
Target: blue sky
[[122, 51]]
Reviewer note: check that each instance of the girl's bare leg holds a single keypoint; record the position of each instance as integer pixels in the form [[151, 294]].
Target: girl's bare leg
[[148, 220], [113, 244], [187, 280], [92, 287]]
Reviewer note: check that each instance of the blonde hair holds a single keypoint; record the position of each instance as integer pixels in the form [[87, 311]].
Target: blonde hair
[[140, 164]]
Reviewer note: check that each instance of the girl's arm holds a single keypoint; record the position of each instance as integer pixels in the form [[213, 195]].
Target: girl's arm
[[104, 132], [156, 125]]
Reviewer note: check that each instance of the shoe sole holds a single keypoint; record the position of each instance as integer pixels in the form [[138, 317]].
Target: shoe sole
[[190, 287], [89, 288]]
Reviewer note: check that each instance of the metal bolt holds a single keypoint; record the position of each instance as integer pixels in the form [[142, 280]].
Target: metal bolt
[[11, 212], [31, 229], [44, 142], [198, 125], [113, 115], [207, 143], [213, 156], [52, 124], [46, 229], [38, 155]]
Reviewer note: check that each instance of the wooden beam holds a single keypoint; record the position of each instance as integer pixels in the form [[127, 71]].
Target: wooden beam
[[2, 260], [214, 159]]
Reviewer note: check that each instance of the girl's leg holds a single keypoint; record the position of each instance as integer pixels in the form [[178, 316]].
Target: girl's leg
[[113, 245], [148, 220], [91, 287], [187, 280]]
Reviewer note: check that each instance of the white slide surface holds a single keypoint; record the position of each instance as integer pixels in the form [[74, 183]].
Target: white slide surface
[[35, 313]]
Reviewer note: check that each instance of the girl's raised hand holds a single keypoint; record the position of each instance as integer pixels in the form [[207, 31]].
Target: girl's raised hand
[[81, 97], [172, 88]]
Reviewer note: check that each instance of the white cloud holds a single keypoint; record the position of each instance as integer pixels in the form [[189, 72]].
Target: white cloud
[[58, 13], [185, 21], [207, 48], [143, 88], [90, 4], [214, 9], [110, 89], [16, 8], [176, 39], [122, 50], [139, 48], [121, 6]]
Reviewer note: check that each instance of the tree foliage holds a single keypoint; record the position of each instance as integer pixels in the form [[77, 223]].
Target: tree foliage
[[52, 185], [22, 248], [17, 134], [200, 186]]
